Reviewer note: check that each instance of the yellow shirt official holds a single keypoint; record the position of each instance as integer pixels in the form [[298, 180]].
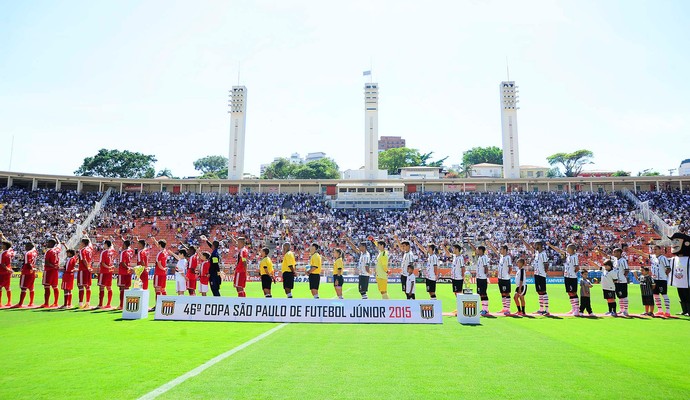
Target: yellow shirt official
[[338, 267], [288, 260], [315, 263], [266, 266]]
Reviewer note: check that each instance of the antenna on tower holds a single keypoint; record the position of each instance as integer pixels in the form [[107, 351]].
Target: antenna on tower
[[238, 73], [507, 69]]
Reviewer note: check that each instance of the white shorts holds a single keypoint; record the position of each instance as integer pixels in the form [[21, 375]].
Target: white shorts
[[203, 288], [180, 284]]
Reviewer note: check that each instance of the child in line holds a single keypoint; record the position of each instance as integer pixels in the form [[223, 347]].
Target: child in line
[[608, 284], [410, 284], [520, 287], [585, 300], [646, 290]]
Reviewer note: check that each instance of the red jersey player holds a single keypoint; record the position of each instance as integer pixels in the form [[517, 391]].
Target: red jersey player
[[124, 271], [6, 269], [106, 267], [50, 273], [240, 279], [160, 273], [28, 275], [143, 260], [68, 277], [192, 271], [204, 275], [85, 270]]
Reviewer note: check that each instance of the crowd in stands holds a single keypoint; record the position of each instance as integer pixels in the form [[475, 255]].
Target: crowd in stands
[[596, 222], [672, 205], [37, 214]]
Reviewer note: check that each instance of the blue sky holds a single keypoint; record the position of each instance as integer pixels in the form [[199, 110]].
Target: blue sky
[[153, 76]]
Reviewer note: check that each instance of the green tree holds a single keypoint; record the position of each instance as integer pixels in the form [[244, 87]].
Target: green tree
[[479, 155], [554, 173], [211, 164], [167, 173], [281, 168], [118, 164], [572, 162], [648, 172], [621, 173], [324, 168], [394, 159]]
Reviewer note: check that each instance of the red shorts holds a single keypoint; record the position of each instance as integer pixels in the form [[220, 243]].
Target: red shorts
[[105, 279], [27, 281], [84, 278], [240, 279], [192, 282], [5, 281], [160, 281], [144, 279], [50, 277], [124, 280], [68, 282]]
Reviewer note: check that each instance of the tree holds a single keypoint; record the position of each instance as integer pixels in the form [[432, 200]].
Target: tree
[[621, 173], [118, 164], [167, 173], [479, 155], [648, 172], [281, 168], [394, 159], [554, 173], [324, 168], [211, 164], [572, 162]]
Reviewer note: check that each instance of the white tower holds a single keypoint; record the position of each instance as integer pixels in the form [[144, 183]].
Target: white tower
[[511, 159], [371, 130], [238, 117]]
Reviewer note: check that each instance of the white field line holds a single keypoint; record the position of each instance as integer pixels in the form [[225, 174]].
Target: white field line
[[208, 364]]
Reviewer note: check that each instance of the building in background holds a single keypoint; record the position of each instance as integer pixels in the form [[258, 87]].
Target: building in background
[[684, 168], [596, 173], [509, 128], [371, 169], [533, 171], [238, 119], [486, 170], [420, 172], [390, 142], [314, 156]]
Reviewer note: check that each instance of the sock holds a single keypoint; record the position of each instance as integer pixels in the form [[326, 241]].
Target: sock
[[9, 298], [506, 303], [110, 297], [340, 297], [485, 305], [364, 296], [69, 300], [624, 304], [81, 295], [385, 296], [22, 296], [164, 293], [667, 304], [541, 302], [241, 294], [316, 296], [31, 298], [56, 294], [268, 296], [657, 302], [46, 296], [546, 302], [122, 298], [289, 295], [88, 295], [100, 298]]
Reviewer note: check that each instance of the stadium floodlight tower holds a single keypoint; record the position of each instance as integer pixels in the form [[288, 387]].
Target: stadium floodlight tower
[[511, 159], [238, 118], [371, 130]]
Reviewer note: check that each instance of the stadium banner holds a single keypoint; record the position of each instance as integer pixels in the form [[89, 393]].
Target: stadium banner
[[235, 309], [549, 281]]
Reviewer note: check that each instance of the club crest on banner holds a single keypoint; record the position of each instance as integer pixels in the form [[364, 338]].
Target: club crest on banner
[[469, 308], [426, 311], [167, 307], [132, 304]]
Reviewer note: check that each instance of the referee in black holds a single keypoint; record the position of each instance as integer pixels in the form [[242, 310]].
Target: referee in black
[[214, 269]]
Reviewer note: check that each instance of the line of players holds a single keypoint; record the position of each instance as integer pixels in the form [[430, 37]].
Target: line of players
[[193, 267]]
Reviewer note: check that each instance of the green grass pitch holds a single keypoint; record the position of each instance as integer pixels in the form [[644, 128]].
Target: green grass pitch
[[95, 355]]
